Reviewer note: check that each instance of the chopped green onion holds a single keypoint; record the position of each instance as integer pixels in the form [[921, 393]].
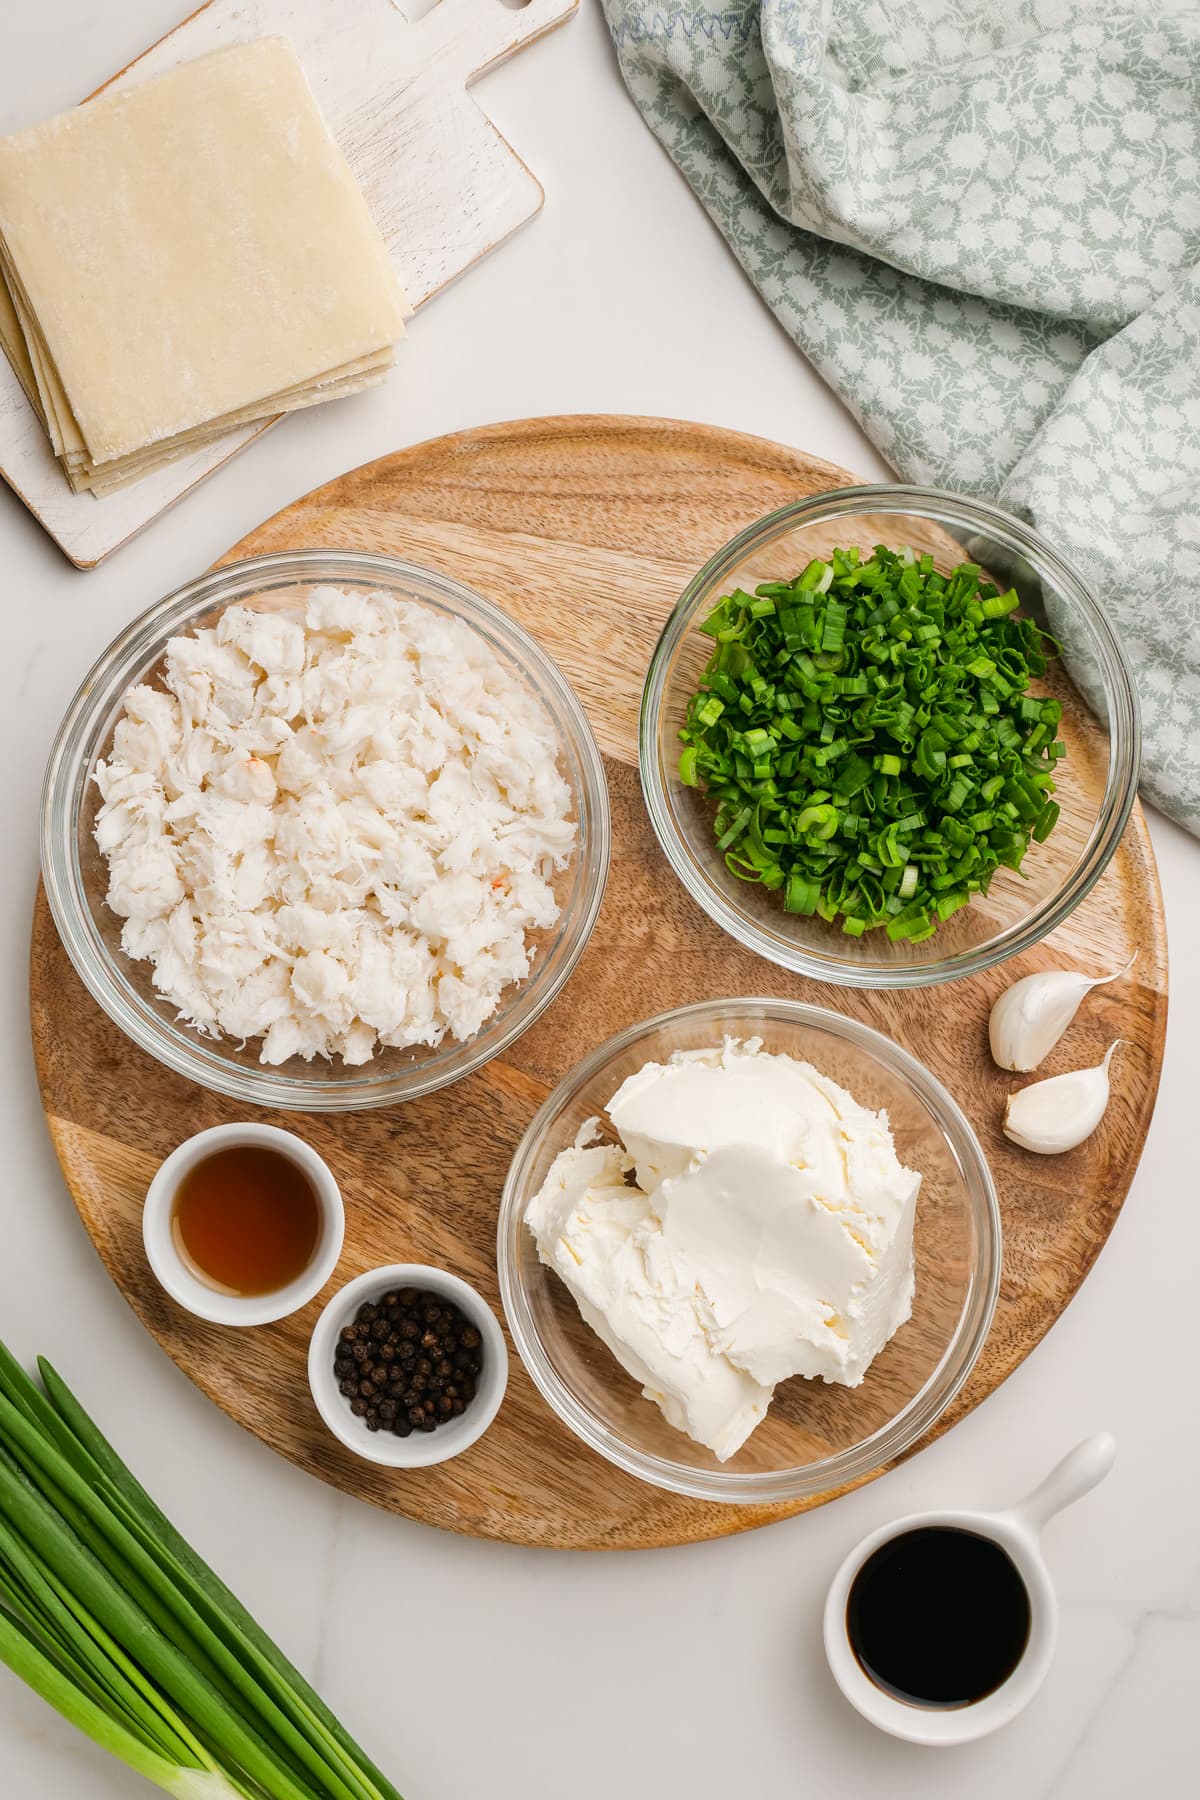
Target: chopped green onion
[[818, 821], [802, 894], [734, 831], [871, 738]]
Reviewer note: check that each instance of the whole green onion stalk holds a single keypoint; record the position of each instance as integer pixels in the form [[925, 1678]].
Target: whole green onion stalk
[[110, 1616]]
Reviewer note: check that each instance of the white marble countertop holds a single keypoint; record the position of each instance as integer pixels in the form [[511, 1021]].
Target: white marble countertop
[[696, 1671]]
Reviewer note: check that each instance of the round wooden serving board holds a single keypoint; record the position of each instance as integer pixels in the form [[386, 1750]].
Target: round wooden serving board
[[586, 530]]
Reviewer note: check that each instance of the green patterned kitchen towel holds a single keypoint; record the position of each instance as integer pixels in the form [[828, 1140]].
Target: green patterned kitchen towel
[[980, 220]]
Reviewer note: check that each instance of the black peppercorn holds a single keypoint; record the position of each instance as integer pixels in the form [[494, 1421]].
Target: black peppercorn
[[408, 1362]]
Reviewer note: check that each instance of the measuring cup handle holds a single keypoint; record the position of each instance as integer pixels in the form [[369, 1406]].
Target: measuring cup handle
[[1077, 1474]]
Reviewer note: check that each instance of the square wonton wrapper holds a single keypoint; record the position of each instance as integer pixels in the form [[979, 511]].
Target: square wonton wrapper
[[193, 247], [20, 341]]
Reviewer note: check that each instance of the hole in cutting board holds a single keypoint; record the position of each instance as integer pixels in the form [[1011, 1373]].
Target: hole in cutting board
[[515, 5]]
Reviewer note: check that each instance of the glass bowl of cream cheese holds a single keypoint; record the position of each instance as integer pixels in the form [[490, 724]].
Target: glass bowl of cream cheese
[[1095, 782], [325, 831], [749, 1250]]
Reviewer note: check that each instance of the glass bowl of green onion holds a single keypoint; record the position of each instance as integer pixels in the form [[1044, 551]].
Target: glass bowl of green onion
[[888, 737]]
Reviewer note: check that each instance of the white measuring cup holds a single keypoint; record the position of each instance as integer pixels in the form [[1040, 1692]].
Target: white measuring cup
[[1017, 1531]]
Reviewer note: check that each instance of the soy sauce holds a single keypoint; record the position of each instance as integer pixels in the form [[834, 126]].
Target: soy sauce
[[938, 1617]]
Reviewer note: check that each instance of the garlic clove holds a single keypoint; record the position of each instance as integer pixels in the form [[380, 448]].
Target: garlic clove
[[1028, 1018], [1057, 1114]]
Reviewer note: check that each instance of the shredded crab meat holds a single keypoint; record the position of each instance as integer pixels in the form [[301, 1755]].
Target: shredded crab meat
[[332, 829]]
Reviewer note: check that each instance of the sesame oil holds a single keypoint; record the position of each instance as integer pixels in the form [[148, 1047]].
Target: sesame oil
[[246, 1220]]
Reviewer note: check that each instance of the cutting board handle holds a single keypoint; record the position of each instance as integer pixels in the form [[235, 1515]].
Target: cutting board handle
[[475, 35]]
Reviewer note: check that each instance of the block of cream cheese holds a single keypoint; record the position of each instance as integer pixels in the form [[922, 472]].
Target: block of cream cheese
[[785, 1199], [769, 1234], [601, 1238]]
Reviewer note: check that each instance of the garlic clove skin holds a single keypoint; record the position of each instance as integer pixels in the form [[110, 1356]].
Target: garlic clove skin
[[1057, 1114], [1028, 1018]]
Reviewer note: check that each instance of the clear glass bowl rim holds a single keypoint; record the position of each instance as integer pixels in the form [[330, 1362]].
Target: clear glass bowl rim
[[65, 780], [1124, 733], [863, 1460]]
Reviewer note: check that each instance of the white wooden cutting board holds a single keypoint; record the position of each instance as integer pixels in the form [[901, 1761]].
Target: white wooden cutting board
[[443, 184]]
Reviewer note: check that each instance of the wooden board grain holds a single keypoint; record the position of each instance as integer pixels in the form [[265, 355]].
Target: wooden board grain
[[444, 186], [586, 530]]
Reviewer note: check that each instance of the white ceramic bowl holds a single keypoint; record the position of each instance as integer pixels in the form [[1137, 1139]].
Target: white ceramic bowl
[[175, 1275], [422, 1449], [1018, 1533]]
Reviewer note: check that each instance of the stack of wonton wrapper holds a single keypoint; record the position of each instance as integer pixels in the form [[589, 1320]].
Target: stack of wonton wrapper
[[186, 257]]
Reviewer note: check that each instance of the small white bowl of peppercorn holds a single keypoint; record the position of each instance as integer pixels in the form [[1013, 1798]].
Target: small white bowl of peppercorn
[[407, 1366]]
